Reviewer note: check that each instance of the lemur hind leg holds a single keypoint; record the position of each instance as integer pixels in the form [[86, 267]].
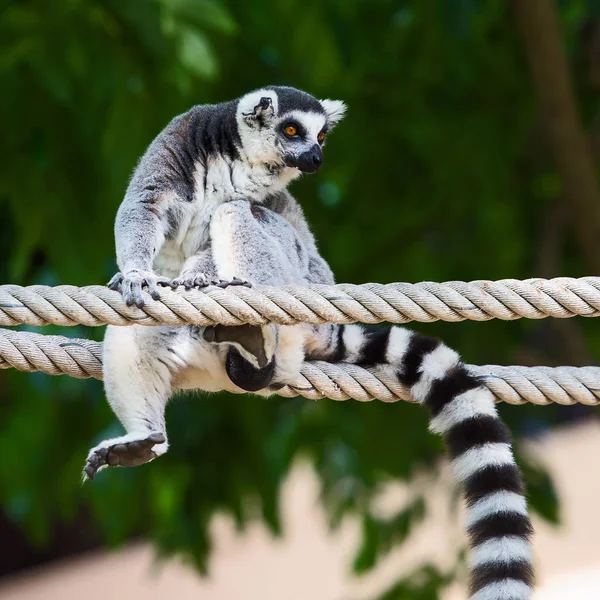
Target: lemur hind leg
[[199, 271], [138, 365], [251, 242]]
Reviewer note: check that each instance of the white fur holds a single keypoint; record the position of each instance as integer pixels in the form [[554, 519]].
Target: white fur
[[224, 251], [353, 338], [504, 549], [251, 99], [204, 363], [270, 340], [290, 352], [467, 405], [169, 261], [512, 589], [335, 110], [397, 345], [238, 239], [193, 231], [313, 123], [475, 459], [498, 502], [224, 182], [270, 252], [134, 379], [435, 365], [258, 142], [199, 365]]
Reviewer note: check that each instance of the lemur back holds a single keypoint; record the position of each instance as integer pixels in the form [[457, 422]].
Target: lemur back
[[208, 201]]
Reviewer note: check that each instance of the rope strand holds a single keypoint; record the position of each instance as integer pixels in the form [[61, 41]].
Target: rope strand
[[58, 355], [453, 301]]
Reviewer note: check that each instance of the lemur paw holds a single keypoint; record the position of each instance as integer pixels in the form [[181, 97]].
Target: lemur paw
[[130, 450], [222, 283], [190, 281], [130, 285], [200, 281]]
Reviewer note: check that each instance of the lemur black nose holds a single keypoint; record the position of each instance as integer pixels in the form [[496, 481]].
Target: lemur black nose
[[311, 160], [317, 155]]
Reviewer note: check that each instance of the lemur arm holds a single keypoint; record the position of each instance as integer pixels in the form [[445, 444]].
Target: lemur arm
[[139, 235], [148, 214], [262, 247]]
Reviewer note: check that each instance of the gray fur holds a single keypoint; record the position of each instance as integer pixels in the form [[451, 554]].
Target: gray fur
[[210, 155], [208, 200]]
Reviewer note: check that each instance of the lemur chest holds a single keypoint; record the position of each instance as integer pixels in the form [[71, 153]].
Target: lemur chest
[[222, 179], [188, 223]]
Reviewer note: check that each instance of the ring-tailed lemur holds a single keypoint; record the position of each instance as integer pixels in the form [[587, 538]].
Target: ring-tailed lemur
[[208, 201]]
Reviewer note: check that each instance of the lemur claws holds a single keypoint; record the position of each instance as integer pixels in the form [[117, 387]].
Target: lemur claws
[[235, 281], [130, 285], [189, 282], [199, 281]]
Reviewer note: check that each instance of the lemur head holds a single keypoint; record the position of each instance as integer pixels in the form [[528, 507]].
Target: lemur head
[[285, 128]]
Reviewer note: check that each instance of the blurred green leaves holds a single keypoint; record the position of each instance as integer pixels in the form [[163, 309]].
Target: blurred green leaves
[[540, 491], [186, 22], [204, 14], [424, 584], [196, 54], [381, 535]]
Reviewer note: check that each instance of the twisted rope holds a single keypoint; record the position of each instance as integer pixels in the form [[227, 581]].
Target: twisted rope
[[454, 301], [57, 355]]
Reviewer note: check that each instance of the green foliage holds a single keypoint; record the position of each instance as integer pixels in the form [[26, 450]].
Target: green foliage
[[380, 535], [436, 174], [424, 584], [541, 492]]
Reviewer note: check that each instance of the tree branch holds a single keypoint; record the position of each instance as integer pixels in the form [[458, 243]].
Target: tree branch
[[538, 25]]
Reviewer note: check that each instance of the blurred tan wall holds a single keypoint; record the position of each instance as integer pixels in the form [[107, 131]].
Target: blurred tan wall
[[310, 563]]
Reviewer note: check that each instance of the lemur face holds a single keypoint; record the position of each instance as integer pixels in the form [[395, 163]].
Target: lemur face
[[283, 127]]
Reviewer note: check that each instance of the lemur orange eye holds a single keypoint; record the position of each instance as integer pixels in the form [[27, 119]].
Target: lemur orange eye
[[321, 136], [291, 130]]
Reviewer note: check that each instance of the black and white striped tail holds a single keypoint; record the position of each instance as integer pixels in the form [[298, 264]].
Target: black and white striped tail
[[463, 412]]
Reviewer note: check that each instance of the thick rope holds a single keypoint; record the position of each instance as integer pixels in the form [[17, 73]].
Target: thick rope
[[507, 299], [56, 355]]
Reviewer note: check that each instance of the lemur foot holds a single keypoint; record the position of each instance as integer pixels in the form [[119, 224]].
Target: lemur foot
[[130, 450], [235, 281], [190, 281], [200, 281], [249, 338], [130, 285]]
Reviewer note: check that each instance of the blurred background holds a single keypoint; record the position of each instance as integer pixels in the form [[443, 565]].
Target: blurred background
[[470, 151]]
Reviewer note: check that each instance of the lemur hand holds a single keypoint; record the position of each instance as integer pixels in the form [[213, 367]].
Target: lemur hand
[[130, 285]]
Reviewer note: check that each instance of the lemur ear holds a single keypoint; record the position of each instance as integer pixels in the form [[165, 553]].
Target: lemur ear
[[261, 112], [335, 110]]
